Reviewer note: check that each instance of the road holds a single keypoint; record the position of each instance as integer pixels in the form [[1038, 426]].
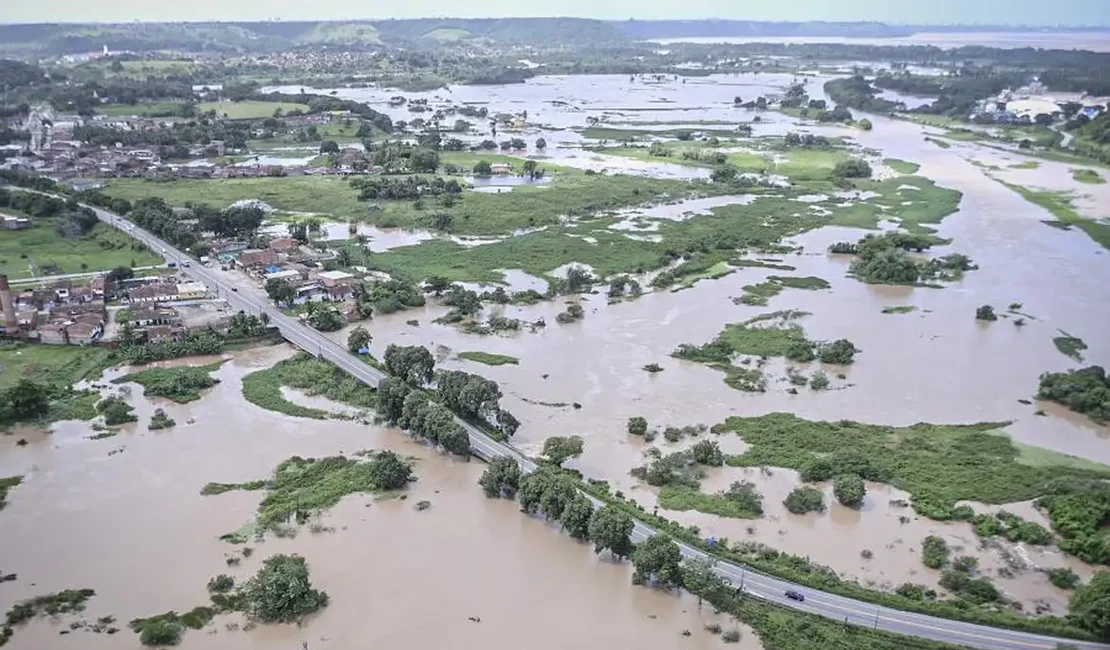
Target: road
[[762, 586]]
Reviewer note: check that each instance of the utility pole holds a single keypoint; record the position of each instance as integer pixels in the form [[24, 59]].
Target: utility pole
[[876, 618]]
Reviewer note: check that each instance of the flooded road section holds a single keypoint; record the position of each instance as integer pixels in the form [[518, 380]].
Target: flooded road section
[[133, 526]]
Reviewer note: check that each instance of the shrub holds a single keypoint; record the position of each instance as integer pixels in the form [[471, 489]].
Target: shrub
[[849, 490], [707, 452], [934, 552], [985, 313], [637, 425], [1063, 578], [803, 499]]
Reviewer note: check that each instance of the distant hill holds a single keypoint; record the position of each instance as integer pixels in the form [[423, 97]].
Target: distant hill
[[58, 39]]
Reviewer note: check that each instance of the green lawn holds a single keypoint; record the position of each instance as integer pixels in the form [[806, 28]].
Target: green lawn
[[103, 248], [250, 109], [51, 364]]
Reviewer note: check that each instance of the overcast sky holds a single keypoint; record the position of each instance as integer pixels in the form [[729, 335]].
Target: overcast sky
[[1013, 12]]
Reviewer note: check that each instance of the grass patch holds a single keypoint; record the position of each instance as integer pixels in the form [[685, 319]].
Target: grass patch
[[937, 464], [902, 166], [1070, 346], [146, 109], [489, 358], [5, 485], [1089, 176], [1041, 457], [899, 309], [181, 384], [301, 488], [61, 365], [250, 109], [1059, 204], [312, 375], [475, 213], [755, 338], [42, 250], [739, 504], [808, 282], [938, 142], [1027, 164]]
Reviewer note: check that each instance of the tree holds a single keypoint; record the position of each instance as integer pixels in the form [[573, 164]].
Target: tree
[[329, 146], [576, 517], [611, 529], [437, 284], [865, 124], [541, 144], [119, 274], [455, 440], [358, 338], [707, 452], [24, 401], [559, 448], [391, 397], [388, 471], [854, 168], [934, 552], [700, 579], [658, 559], [723, 174], [1090, 606], [637, 425], [280, 291], [529, 169], [324, 318], [424, 160], [501, 478], [849, 490], [281, 592], [412, 363]]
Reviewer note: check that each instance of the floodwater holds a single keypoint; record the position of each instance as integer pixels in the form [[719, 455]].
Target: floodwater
[[133, 526], [139, 507]]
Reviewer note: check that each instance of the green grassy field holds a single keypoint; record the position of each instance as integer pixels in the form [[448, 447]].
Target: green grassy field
[[249, 109], [489, 358], [938, 464], [1089, 176], [475, 214], [103, 248], [51, 364], [902, 166], [146, 108], [1060, 205]]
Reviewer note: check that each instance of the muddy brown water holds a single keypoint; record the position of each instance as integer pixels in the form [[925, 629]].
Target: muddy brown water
[[131, 524]]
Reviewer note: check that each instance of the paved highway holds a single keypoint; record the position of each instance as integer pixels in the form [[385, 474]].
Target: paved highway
[[831, 606]]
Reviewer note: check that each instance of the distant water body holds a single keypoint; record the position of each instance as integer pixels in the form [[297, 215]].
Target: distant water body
[[1093, 41]]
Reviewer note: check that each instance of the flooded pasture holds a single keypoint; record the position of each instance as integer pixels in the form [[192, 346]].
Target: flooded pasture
[[124, 516]]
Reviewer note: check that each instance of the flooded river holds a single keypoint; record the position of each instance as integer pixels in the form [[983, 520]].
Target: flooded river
[[124, 516]]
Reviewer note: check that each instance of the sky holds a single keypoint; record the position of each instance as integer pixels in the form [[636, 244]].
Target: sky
[[1010, 12]]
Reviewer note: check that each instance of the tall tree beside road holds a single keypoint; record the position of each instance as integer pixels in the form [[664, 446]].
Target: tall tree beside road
[[412, 363], [559, 448], [501, 478], [658, 559], [611, 529], [358, 338]]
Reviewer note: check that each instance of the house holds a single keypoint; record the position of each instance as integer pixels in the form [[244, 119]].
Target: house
[[147, 316], [311, 292], [283, 244], [97, 286], [191, 290], [27, 318], [53, 334], [81, 333], [338, 292], [61, 290], [257, 257], [335, 278], [348, 309], [501, 169], [15, 223], [151, 293], [289, 275]]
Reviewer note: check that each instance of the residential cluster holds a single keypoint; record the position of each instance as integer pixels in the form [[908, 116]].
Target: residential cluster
[[68, 312], [1023, 106]]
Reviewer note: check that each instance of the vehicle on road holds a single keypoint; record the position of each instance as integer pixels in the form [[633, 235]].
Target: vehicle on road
[[796, 595], [235, 288], [186, 264]]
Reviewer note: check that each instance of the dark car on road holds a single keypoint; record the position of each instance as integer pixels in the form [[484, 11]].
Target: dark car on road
[[795, 595]]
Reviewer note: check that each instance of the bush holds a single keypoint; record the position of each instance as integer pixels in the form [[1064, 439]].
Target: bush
[[934, 552], [731, 636], [1086, 391], [985, 312], [803, 499], [637, 425], [819, 380], [161, 632], [849, 490], [840, 351], [281, 592], [854, 168], [707, 452], [1063, 578], [221, 584]]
